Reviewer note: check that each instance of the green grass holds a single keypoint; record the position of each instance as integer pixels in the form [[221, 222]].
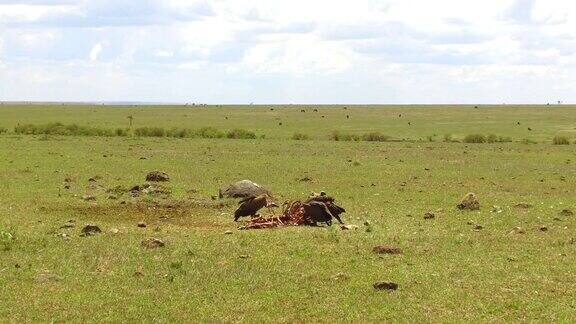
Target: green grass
[[448, 271]]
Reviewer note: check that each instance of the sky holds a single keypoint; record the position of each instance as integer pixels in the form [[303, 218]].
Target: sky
[[282, 52]]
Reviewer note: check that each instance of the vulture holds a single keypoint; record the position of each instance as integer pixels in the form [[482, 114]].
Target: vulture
[[251, 205], [333, 209], [316, 212]]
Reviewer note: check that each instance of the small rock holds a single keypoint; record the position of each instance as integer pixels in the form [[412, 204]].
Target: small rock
[[228, 232], [90, 229], [141, 224], [429, 215], [518, 230], [469, 202], [382, 249], [340, 276], [152, 243], [88, 198], [157, 176], [114, 231], [349, 227], [382, 285]]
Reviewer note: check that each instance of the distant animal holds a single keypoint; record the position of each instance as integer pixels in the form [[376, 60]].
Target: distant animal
[[347, 116], [251, 205], [529, 128], [302, 110], [323, 116], [518, 123], [409, 123], [315, 110], [280, 124]]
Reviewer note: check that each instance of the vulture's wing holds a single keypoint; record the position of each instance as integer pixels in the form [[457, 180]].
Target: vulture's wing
[[322, 206], [246, 199]]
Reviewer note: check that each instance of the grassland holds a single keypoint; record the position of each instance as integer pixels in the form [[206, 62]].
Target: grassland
[[451, 270]]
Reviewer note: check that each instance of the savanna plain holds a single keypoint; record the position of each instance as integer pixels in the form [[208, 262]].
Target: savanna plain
[[65, 166]]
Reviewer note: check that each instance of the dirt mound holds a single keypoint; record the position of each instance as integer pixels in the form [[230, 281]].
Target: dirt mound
[[469, 202], [157, 176], [243, 189]]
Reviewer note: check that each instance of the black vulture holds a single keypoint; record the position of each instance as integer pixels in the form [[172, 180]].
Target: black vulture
[[251, 205]]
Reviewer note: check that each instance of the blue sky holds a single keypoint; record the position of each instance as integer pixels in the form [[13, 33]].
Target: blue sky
[[298, 51]]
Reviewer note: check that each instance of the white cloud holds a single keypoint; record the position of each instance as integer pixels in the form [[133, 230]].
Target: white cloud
[[95, 52], [277, 51]]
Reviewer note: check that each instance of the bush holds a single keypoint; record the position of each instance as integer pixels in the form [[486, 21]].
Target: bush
[[375, 137], [61, 129], [6, 240], [150, 132], [300, 137], [528, 141], [560, 140], [337, 136], [448, 138], [239, 133], [475, 138], [121, 132], [209, 132], [3, 130]]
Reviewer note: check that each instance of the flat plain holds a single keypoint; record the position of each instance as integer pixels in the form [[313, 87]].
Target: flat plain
[[513, 260]]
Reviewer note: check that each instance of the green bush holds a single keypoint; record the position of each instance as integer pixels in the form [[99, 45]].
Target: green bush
[[3, 130], [61, 129], [209, 132], [448, 138], [475, 138], [375, 137], [121, 132], [560, 140], [528, 141], [300, 137], [337, 136], [150, 132], [239, 133]]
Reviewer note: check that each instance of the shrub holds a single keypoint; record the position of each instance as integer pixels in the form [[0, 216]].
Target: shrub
[[209, 132], [337, 136], [61, 129], [3, 130], [560, 140], [448, 138], [375, 137], [6, 240], [121, 132], [239, 133], [475, 138], [300, 137], [491, 138], [150, 132], [528, 141]]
